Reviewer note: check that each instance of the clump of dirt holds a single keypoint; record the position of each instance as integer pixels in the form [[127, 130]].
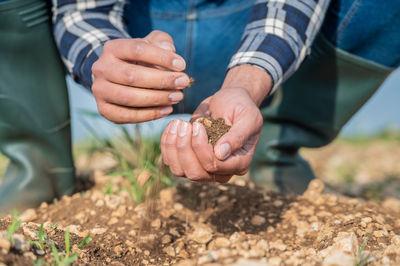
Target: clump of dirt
[[191, 81], [231, 224], [215, 128]]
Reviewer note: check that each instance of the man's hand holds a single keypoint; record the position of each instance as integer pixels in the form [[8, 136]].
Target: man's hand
[[185, 147], [137, 80]]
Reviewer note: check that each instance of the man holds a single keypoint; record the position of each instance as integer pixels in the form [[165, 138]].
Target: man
[[34, 111], [139, 79]]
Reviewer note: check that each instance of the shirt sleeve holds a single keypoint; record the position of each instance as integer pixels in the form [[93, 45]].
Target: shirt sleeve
[[279, 35], [81, 27]]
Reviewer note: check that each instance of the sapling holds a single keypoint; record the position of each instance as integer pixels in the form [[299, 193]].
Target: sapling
[[13, 227]]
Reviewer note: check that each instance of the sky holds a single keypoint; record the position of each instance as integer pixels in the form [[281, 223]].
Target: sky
[[382, 111]]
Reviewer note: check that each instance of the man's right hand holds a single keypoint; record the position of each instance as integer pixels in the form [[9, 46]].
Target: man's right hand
[[138, 80]]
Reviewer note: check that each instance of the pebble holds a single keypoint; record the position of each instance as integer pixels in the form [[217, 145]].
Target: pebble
[[98, 231], [274, 261], [202, 233], [167, 194], [209, 257], [112, 201], [166, 239], [28, 216], [278, 203], [146, 252], [121, 211], [20, 243], [112, 221], [257, 220], [118, 250], [156, 224], [74, 229], [222, 242], [30, 256], [29, 233], [178, 206], [170, 251], [4, 243]]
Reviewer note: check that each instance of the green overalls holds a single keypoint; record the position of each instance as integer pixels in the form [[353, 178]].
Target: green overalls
[[34, 110], [309, 111]]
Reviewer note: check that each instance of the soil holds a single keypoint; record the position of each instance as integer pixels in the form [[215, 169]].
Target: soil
[[215, 128], [200, 224]]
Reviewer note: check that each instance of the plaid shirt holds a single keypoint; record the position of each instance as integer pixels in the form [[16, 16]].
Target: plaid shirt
[[277, 37]]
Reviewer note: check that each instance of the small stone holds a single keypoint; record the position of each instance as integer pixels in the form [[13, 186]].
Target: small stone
[[118, 250], [5, 244], [338, 257], [132, 233], [98, 231], [30, 255], [183, 253], [167, 195], [112, 221], [29, 233], [20, 243], [112, 201], [43, 205], [209, 257], [202, 234], [99, 203], [223, 199], [278, 203], [146, 252], [156, 224], [378, 233], [166, 239], [121, 211], [173, 231], [274, 261], [314, 189], [257, 220], [74, 229], [262, 244], [222, 242], [178, 206], [170, 251], [39, 252], [28, 216]]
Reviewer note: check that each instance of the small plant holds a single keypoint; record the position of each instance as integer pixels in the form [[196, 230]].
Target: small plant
[[40, 244], [13, 227], [135, 155], [361, 260], [68, 258]]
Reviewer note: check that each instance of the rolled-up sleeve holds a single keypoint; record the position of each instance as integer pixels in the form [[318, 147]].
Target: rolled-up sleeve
[[279, 35]]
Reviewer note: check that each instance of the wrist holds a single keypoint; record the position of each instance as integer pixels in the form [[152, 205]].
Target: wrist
[[255, 80]]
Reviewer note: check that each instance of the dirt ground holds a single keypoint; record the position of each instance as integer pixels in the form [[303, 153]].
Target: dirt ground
[[231, 224]]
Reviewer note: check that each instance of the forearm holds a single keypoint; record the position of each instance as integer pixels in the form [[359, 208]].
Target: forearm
[[255, 80], [81, 30]]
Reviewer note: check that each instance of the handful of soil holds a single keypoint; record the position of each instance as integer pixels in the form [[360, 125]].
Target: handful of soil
[[215, 128]]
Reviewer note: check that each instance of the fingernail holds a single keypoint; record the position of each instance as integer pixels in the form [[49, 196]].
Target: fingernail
[[174, 127], [196, 129], [223, 151], [166, 110], [182, 82], [167, 46], [176, 96], [182, 129], [178, 63]]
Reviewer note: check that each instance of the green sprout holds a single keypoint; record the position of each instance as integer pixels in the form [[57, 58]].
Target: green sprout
[[362, 260], [40, 244], [68, 258], [13, 227]]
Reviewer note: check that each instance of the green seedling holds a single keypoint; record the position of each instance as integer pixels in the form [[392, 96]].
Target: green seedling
[[68, 258], [40, 244], [13, 227], [84, 242], [362, 260]]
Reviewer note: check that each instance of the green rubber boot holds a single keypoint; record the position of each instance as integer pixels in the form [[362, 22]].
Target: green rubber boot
[[34, 110], [309, 111]]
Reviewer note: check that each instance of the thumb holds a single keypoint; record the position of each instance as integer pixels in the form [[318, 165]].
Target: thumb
[[241, 135]]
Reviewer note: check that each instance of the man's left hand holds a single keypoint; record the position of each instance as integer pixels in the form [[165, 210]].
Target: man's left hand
[[185, 146]]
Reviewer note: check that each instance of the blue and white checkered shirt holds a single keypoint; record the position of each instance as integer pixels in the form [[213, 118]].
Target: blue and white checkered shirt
[[277, 37]]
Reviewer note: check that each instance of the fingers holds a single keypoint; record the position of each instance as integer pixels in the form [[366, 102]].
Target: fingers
[[133, 50], [235, 164], [243, 129], [122, 114], [161, 39], [134, 75], [136, 97], [170, 154], [186, 156]]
